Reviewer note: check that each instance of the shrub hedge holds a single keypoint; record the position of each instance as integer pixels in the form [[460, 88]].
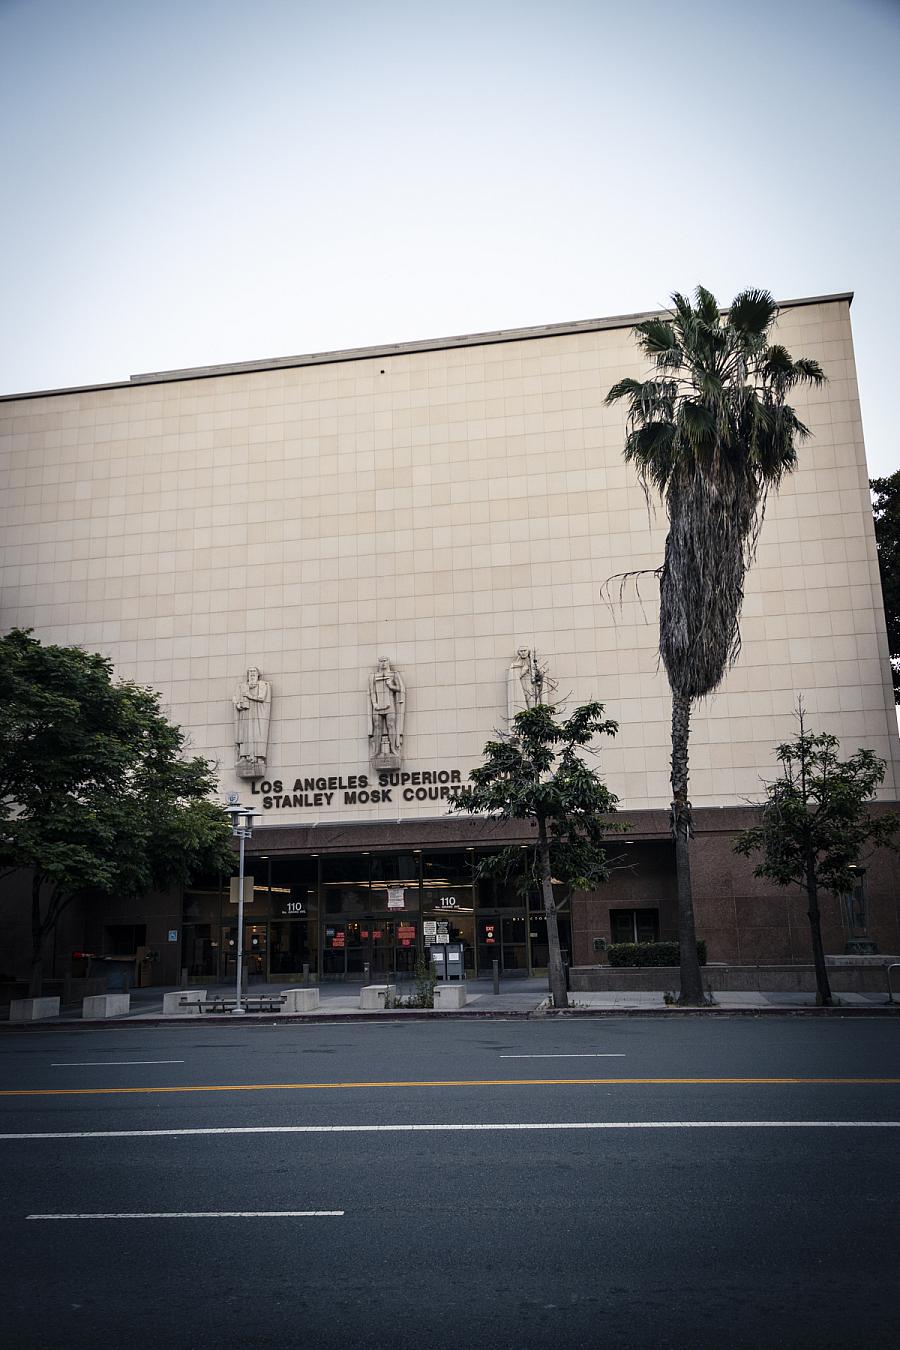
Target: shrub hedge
[[649, 953]]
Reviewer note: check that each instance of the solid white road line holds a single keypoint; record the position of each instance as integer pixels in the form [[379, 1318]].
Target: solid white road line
[[210, 1214], [592, 1055], [450, 1129], [109, 1063]]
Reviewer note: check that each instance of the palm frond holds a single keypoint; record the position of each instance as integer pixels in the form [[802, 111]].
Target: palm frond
[[809, 371], [656, 337], [653, 449], [752, 313], [711, 436], [623, 389], [777, 362], [697, 425], [707, 307]]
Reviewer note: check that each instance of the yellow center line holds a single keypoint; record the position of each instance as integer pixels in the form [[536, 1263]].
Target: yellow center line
[[440, 1082]]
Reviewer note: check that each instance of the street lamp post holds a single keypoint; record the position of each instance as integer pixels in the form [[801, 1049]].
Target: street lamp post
[[241, 829]]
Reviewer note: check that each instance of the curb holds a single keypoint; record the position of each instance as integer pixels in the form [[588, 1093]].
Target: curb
[[426, 1015]]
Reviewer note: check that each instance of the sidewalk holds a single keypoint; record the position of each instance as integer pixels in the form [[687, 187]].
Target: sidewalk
[[517, 998]]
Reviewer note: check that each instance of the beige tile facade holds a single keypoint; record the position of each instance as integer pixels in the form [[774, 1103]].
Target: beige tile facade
[[442, 507]]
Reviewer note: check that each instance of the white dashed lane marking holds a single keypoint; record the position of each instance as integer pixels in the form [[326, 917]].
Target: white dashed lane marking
[[109, 1063], [479, 1127], [210, 1214]]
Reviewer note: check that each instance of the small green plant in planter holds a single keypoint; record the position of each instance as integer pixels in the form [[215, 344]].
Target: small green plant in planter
[[670, 998], [423, 997]]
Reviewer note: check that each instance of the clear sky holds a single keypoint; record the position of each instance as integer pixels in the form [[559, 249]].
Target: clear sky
[[187, 182]]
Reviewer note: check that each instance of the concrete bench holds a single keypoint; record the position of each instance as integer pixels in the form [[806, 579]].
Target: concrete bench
[[33, 1009], [183, 1003], [448, 996], [374, 996], [300, 1000], [106, 1005]]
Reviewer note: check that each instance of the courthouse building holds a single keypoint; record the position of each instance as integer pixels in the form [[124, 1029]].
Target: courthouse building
[[345, 571]]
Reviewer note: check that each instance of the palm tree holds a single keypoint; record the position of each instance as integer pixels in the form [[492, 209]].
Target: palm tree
[[712, 434]]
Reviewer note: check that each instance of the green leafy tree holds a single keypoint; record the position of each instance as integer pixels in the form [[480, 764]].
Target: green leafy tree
[[96, 795], [536, 773], [712, 433], [816, 826], [886, 508]]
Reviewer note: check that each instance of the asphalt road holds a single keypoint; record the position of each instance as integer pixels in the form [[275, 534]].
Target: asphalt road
[[275, 1195]]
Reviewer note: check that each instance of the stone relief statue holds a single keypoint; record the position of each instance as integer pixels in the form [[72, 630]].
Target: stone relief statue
[[252, 707], [528, 682], [387, 712]]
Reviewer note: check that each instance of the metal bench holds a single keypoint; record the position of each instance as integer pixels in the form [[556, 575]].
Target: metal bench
[[218, 1003], [265, 1002]]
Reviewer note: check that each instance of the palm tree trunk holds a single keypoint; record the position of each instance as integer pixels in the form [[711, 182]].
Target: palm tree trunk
[[823, 987], [682, 829], [554, 955]]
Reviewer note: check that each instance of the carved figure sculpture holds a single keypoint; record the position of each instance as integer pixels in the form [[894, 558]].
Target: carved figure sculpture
[[528, 682], [252, 707], [387, 713]]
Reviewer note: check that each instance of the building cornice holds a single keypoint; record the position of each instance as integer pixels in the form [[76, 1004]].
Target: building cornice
[[502, 335]]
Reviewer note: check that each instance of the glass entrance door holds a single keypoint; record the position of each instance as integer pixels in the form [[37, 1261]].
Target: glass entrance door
[[515, 944], [503, 938], [343, 952], [255, 953], [540, 949], [406, 944], [381, 949], [393, 944]]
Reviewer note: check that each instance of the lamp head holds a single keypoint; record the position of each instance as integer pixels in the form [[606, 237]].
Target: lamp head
[[242, 817]]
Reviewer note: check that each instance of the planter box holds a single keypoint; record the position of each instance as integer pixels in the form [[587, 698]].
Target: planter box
[[172, 1006], [106, 1005], [300, 1000], [373, 996], [449, 996], [862, 977], [33, 1009]]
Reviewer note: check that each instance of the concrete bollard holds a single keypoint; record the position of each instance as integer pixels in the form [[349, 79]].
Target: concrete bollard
[[300, 1000], [33, 1009], [106, 1005], [172, 1006], [373, 996], [449, 996]]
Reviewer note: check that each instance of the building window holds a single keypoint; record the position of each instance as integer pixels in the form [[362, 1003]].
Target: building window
[[123, 939], [634, 925]]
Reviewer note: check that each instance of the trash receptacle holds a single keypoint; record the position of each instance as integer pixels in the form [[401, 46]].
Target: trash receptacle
[[119, 974]]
